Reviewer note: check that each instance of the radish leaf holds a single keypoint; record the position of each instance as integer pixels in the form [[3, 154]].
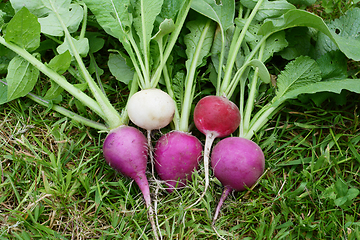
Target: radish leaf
[[191, 40], [294, 18], [119, 68], [3, 93], [57, 13], [113, 16], [24, 30], [21, 78], [347, 27], [269, 9], [223, 13], [144, 18]]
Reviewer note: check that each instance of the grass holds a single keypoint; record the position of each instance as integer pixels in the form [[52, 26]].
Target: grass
[[55, 184]]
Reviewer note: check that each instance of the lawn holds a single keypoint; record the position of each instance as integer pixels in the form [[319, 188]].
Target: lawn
[[55, 183]]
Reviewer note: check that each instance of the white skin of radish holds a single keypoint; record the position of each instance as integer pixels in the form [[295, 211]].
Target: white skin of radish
[[151, 109]]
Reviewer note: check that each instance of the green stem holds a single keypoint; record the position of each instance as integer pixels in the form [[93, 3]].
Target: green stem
[[60, 80], [145, 75], [145, 44], [262, 119], [133, 90], [221, 61], [172, 40], [65, 111], [189, 82], [233, 54], [112, 117], [68, 113], [176, 118], [84, 22], [251, 99], [232, 86]]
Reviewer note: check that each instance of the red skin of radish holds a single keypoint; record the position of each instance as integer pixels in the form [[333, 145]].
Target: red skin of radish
[[216, 115], [177, 155], [125, 150], [237, 163]]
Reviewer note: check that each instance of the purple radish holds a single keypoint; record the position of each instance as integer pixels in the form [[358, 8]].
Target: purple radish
[[214, 116], [237, 163], [125, 150], [177, 155]]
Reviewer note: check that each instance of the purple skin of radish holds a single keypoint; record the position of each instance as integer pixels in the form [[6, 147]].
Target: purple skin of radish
[[214, 116], [237, 163], [125, 150], [177, 155]]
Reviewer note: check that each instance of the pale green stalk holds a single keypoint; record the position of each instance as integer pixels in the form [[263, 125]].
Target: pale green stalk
[[67, 113], [244, 124]]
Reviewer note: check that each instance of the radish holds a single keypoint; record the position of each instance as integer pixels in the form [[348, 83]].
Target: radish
[[151, 109], [125, 150], [177, 154], [214, 116], [237, 163]]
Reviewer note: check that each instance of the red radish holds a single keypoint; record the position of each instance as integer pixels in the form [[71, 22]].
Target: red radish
[[237, 163], [214, 116], [177, 155], [217, 116], [125, 150]]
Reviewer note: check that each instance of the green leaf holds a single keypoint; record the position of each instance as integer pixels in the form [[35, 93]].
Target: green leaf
[[21, 78], [144, 18], [60, 63], [96, 41], [295, 18], [341, 187], [170, 8], [333, 65], [300, 72], [113, 16], [5, 57], [264, 74], [347, 28], [269, 9], [2, 21], [302, 2], [178, 83], [340, 201], [217, 48], [352, 193], [299, 43], [275, 43], [119, 69], [191, 40], [24, 30], [166, 27], [222, 13], [335, 86], [81, 45], [53, 14], [3, 93], [54, 91]]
